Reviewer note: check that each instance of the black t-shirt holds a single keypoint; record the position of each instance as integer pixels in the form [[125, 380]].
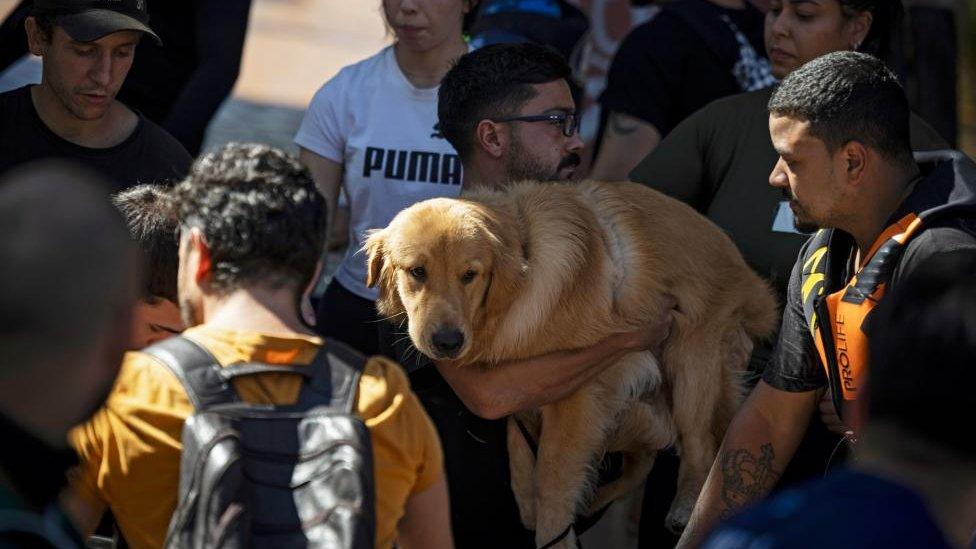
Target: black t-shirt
[[484, 512], [795, 365], [686, 57], [181, 84], [149, 155]]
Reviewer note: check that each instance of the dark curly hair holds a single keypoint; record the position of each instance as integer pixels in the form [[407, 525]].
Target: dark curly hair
[[492, 81], [260, 214], [152, 223], [848, 96]]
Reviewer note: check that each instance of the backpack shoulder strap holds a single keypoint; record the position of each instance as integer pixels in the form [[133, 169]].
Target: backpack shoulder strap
[[197, 370], [335, 373]]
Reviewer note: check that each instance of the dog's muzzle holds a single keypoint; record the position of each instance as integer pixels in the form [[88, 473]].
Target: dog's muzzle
[[447, 341]]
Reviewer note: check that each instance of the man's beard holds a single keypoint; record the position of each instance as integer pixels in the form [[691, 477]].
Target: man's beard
[[523, 167], [801, 225]]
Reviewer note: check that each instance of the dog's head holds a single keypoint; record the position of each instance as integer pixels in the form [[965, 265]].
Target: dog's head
[[451, 266]]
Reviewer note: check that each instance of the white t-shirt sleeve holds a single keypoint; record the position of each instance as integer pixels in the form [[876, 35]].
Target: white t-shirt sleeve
[[325, 125]]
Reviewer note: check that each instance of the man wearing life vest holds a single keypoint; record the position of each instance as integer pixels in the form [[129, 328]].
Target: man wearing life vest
[[840, 126]]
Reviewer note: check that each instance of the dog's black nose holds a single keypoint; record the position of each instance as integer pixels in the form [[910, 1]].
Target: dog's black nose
[[448, 341]]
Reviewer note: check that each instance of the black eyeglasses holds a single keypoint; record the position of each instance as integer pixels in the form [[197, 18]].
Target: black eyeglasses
[[569, 121]]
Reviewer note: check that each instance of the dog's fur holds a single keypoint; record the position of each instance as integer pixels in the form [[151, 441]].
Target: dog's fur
[[546, 267]]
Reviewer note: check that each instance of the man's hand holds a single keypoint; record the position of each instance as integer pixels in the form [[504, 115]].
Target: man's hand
[[651, 336], [511, 386], [830, 418]]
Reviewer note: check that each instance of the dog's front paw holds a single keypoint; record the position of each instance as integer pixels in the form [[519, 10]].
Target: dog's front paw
[[678, 516]]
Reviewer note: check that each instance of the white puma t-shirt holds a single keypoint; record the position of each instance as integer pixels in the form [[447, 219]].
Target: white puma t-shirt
[[383, 130]]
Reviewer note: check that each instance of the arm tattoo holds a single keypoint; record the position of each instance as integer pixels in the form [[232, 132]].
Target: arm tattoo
[[746, 478], [621, 124]]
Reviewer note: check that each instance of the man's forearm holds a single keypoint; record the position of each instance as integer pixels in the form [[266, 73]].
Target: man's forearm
[[757, 448], [502, 389]]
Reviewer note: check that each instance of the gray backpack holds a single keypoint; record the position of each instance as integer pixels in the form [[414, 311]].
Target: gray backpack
[[271, 476]]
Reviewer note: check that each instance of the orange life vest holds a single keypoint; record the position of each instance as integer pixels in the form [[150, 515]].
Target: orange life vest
[[835, 320]]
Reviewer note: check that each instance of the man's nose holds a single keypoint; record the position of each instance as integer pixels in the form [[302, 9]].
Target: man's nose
[[101, 70], [777, 177], [575, 143]]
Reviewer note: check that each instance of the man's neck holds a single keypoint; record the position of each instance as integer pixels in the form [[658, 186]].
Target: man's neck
[[948, 491], [256, 309], [113, 128], [478, 175], [875, 211], [426, 69]]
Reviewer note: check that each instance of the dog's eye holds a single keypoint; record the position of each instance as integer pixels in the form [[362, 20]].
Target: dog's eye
[[468, 276], [419, 273]]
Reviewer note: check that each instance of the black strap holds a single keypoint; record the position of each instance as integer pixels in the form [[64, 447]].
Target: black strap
[[332, 376], [197, 369], [335, 374], [243, 369], [527, 436], [559, 538]]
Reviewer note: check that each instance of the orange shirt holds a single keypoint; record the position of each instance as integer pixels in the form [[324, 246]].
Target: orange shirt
[[130, 449]]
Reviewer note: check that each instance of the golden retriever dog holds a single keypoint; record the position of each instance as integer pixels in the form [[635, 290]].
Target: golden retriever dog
[[502, 275]]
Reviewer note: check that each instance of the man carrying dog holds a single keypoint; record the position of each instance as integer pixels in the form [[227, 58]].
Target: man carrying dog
[[508, 111], [86, 49], [840, 126]]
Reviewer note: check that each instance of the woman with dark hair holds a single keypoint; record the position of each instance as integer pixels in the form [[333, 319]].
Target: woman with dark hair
[[719, 160], [372, 131]]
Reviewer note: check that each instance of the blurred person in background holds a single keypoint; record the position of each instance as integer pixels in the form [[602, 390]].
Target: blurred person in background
[[689, 54], [86, 49], [67, 287], [372, 131], [912, 482], [180, 83]]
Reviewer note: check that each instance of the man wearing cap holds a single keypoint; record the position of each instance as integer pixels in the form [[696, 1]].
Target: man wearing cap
[[87, 48]]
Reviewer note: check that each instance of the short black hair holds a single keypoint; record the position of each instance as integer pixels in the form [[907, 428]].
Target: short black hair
[[922, 340], [148, 212], [848, 96], [493, 81], [260, 214]]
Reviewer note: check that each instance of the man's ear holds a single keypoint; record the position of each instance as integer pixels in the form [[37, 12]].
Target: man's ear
[[37, 41], [491, 137], [199, 247], [856, 158]]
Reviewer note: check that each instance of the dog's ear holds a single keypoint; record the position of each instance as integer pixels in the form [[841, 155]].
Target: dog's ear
[[509, 265], [375, 253], [380, 272]]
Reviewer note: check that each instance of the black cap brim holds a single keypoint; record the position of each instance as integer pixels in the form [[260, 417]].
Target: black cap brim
[[91, 25]]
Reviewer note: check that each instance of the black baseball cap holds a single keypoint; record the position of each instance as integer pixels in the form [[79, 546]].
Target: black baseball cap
[[89, 20]]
